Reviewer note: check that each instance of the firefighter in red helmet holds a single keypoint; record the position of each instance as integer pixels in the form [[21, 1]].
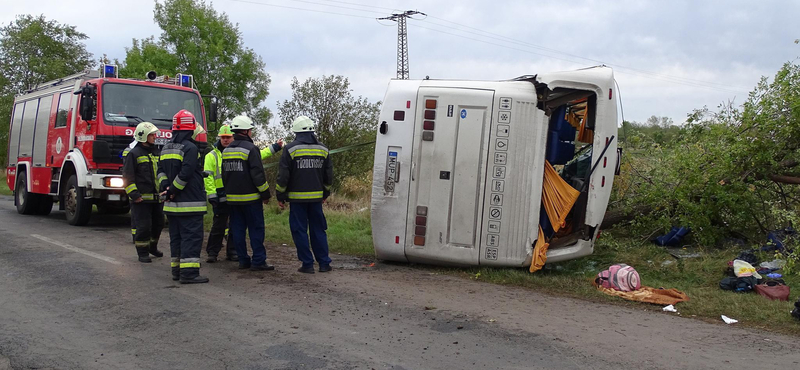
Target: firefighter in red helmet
[[181, 179]]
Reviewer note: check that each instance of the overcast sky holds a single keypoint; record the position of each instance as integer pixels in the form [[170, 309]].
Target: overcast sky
[[669, 57]]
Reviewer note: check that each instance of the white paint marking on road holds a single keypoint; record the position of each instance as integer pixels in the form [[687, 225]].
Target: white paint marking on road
[[76, 249]]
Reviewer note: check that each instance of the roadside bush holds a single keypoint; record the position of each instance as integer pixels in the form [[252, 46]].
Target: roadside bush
[[729, 172]]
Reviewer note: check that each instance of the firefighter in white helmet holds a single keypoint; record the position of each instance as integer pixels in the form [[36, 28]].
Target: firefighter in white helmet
[[217, 196], [305, 176], [246, 188], [139, 171]]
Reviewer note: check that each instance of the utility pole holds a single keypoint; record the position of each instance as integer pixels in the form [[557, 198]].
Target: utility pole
[[402, 40]]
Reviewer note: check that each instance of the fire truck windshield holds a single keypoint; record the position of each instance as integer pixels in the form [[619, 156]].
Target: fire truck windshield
[[128, 105]]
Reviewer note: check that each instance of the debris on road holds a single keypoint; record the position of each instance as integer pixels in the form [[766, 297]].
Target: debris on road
[[729, 320]]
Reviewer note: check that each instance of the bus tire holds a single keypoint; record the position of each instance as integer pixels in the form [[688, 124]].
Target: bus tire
[[76, 206], [26, 202]]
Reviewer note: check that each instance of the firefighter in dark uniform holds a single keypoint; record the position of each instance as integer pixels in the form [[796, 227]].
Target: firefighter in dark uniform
[[181, 178], [305, 176], [246, 188], [215, 191], [140, 173]]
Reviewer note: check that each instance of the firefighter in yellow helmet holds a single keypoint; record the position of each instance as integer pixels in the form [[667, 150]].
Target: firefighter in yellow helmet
[[139, 171], [215, 192]]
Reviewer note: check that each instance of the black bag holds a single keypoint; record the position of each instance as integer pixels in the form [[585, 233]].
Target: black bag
[[741, 284], [749, 257], [796, 311]]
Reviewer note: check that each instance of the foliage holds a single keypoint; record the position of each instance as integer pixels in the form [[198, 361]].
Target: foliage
[[730, 172], [661, 130], [197, 40], [34, 50], [147, 55], [341, 119]]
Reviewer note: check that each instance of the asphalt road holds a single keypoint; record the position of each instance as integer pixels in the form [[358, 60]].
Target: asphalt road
[[75, 298]]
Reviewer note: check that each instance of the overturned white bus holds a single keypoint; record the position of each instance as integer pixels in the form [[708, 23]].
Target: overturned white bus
[[459, 167]]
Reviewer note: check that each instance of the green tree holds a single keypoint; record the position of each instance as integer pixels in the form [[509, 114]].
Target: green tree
[[147, 55], [34, 50], [198, 40], [661, 130], [341, 119], [733, 171]]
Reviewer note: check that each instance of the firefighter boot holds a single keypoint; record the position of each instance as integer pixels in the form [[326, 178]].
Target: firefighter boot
[[231, 255], [230, 251], [144, 257], [176, 268], [191, 275], [154, 249]]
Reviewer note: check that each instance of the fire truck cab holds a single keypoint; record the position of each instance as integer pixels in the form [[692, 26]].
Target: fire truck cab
[[459, 166], [67, 137]]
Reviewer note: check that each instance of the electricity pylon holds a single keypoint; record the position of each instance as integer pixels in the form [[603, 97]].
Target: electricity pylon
[[402, 40]]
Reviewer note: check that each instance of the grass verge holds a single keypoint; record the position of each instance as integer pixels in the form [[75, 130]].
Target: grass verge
[[4, 190], [697, 277], [349, 232], [349, 228]]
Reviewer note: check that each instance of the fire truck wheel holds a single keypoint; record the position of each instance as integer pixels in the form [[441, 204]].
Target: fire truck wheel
[[77, 207], [45, 205], [25, 201]]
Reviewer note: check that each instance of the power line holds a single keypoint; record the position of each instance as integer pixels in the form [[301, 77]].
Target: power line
[[508, 39], [496, 37], [364, 5], [304, 9], [634, 73]]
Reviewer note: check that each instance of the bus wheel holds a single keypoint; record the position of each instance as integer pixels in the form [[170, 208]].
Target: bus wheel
[[77, 207], [25, 201]]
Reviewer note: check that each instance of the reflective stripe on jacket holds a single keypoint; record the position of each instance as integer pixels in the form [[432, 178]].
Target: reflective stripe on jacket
[[243, 173], [213, 167], [181, 168], [139, 173], [215, 187], [305, 173]]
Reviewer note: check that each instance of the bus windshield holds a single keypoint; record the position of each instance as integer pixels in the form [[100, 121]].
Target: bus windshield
[[128, 105]]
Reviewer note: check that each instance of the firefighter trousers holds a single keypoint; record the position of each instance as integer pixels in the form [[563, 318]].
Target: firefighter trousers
[[248, 219], [185, 244], [133, 225], [219, 232], [148, 220], [307, 219]]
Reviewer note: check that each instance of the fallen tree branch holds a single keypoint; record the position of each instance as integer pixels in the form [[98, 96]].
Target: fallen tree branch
[[783, 179], [612, 218]]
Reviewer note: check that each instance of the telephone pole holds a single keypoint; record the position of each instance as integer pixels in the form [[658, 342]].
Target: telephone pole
[[402, 40]]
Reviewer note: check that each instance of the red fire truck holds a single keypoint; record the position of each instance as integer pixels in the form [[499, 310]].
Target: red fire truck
[[67, 136]]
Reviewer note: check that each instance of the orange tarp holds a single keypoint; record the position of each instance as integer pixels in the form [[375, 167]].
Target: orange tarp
[[648, 295], [557, 198]]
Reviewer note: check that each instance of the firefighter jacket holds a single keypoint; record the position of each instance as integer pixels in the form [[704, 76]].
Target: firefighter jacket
[[180, 169], [215, 188], [139, 171], [243, 173], [305, 173]]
